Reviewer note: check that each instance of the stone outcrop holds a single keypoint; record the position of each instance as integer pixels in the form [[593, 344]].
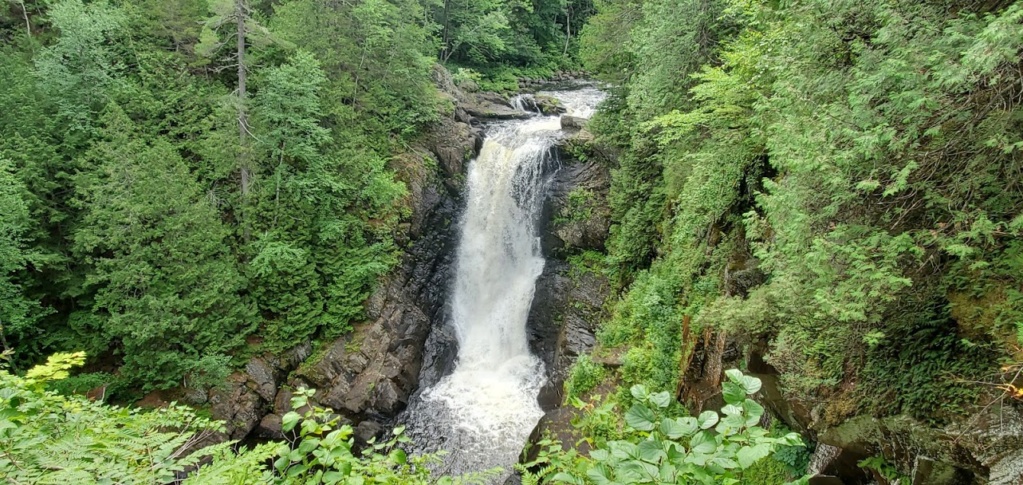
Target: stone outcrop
[[569, 300], [986, 448], [563, 321]]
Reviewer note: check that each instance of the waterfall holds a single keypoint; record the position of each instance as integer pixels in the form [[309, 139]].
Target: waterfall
[[524, 102], [481, 414]]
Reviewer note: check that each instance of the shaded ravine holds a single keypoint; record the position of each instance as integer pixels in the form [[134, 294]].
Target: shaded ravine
[[481, 407]]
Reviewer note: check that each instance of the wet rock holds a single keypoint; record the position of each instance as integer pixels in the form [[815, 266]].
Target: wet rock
[[495, 112], [389, 398], [261, 378], [240, 407], [493, 99], [988, 447], [571, 123], [270, 427], [930, 472], [581, 215], [548, 105], [563, 321], [367, 430]]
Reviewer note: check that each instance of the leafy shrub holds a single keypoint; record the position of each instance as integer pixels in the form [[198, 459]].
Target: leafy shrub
[[711, 448], [583, 377], [467, 79]]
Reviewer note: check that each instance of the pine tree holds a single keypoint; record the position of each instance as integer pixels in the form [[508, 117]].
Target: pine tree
[[166, 289]]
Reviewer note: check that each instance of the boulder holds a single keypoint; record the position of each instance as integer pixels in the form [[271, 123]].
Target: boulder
[[548, 105], [570, 123], [367, 430], [270, 427], [261, 378], [988, 448], [238, 406]]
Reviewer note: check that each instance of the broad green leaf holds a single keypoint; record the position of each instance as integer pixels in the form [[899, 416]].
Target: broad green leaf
[[639, 392], [678, 427], [651, 451], [731, 409], [599, 475], [734, 421], [289, 420], [640, 417], [668, 473], [748, 455], [707, 419], [753, 411], [661, 399], [749, 384], [733, 393], [398, 456], [703, 443]]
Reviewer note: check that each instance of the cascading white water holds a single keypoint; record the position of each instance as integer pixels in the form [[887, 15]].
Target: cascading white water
[[482, 413], [524, 102]]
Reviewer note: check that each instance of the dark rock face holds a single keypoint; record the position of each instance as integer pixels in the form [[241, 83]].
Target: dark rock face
[[238, 406], [582, 216], [568, 302], [572, 123], [562, 322], [987, 449]]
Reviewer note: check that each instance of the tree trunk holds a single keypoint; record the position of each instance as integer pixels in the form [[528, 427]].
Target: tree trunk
[[24, 13], [446, 36], [243, 116], [568, 28]]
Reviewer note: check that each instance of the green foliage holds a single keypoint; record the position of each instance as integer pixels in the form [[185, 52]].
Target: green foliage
[[883, 467], [822, 175], [711, 448], [495, 34], [81, 383], [48, 438], [155, 252], [80, 69], [323, 451], [584, 375], [597, 419], [550, 457], [14, 224], [122, 158], [578, 207]]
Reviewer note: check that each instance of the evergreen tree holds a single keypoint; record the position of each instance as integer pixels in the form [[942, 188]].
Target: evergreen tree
[[165, 291]]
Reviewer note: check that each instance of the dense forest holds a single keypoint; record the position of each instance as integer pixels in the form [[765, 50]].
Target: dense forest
[[180, 176], [834, 188]]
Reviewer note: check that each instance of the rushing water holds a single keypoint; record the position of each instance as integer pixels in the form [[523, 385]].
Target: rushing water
[[482, 412]]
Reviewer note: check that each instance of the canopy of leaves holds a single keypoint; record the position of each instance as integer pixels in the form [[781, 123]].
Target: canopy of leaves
[[840, 178]]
